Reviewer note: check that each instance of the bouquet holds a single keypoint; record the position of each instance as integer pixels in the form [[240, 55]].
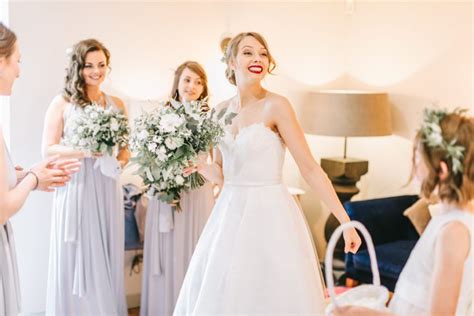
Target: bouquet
[[168, 138], [99, 131]]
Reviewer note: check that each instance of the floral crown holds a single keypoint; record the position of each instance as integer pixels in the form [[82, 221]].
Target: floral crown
[[432, 136]]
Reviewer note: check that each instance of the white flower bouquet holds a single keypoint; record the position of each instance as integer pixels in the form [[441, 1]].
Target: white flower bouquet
[[166, 139], [98, 130]]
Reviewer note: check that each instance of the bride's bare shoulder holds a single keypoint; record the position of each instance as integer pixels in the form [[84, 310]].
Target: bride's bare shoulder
[[277, 103]]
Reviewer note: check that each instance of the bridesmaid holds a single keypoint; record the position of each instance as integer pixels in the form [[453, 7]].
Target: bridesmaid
[[15, 183], [170, 238], [86, 263]]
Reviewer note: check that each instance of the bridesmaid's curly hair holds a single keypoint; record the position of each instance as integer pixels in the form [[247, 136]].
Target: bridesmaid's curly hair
[[231, 47], [75, 86], [457, 188], [7, 41]]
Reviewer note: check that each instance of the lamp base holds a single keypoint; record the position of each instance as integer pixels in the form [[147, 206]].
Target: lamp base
[[344, 174]]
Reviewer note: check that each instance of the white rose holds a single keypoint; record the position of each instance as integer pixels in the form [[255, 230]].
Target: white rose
[[114, 125], [170, 143], [142, 135], [94, 115], [152, 147], [179, 180], [169, 122], [160, 156]]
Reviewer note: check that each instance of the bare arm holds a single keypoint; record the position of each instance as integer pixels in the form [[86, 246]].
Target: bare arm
[[53, 129], [283, 117], [448, 268], [48, 174], [13, 199], [213, 171], [124, 154]]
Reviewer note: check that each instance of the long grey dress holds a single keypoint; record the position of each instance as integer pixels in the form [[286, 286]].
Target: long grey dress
[[86, 264], [9, 285], [170, 240]]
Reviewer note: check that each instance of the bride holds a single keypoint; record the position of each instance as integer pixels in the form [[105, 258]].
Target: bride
[[255, 255]]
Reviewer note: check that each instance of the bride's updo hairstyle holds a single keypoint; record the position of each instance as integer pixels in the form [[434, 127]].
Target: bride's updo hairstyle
[[230, 48]]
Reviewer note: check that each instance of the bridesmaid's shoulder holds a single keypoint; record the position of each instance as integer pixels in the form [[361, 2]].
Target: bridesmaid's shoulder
[[119, 103], [59, 102]]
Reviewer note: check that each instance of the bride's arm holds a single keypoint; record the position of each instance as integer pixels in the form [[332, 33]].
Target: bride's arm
[[284, 118], [53, 129], [213, 171]]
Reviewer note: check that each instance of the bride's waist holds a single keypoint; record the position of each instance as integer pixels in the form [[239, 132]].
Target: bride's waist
[[256, 183]]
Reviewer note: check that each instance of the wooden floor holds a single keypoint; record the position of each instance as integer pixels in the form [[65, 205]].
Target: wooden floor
[[134, 311]]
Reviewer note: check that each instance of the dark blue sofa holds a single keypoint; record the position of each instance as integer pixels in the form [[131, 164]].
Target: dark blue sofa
[[393, 234]]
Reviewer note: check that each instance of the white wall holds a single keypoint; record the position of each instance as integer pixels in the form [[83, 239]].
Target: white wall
[[4, 100], [418, 52]]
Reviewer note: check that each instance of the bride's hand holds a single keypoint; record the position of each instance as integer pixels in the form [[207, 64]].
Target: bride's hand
[[352, 240], [198, 167]]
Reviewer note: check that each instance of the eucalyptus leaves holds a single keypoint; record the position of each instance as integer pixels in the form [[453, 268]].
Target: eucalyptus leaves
[[432, 136]]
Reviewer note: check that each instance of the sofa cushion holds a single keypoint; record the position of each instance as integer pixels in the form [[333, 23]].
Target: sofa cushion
[[391, 258], [419, 215]]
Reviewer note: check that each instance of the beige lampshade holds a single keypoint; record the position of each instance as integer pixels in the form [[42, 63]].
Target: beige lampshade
[[346, 113]]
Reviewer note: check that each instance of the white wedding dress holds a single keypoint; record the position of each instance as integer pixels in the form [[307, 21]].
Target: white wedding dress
[[255, 255]]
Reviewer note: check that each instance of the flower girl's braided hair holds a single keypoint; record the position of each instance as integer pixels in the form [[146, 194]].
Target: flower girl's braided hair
[[230, 48], [75, 85], [7, 41], [449, 137]]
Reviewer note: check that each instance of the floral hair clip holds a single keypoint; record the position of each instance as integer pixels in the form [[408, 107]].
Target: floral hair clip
[[432, 137]]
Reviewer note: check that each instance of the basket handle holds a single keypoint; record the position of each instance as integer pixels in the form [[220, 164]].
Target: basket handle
[[330, 253]]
